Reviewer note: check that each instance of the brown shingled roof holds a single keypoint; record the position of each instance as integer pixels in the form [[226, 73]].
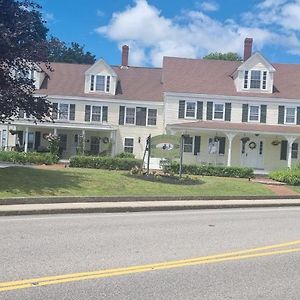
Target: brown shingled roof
[[134, 83], [201, 76], [247, 127]]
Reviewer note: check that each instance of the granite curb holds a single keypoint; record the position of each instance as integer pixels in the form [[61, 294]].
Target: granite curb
[[81, 199], [110, 207]]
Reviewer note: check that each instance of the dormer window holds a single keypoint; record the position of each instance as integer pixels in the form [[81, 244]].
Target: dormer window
[[100, 83], [258, 80]]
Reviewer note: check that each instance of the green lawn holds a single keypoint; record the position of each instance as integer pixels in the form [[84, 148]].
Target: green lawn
[[16, 182]]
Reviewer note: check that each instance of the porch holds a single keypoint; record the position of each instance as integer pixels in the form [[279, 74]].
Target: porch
[[261, 147], [74, 138]]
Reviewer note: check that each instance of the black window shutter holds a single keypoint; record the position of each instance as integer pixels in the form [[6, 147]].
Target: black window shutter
[[209, 111], [181, 109], [37, 141], [87, 117], [245, 113], [54, 110], [104, 113], [280, 114], [263, 113], [121, 115], [222, 145], [141, 114], [197, 144], [72, 112], [298, 115], [283, 150], [227, 111], [199, 110]]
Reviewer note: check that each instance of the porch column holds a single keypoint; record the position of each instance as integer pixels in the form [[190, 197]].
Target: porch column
[[83, 141], [7, 138], [113, 142], [290, 140], [55, 131], [230, 137], [26, 140]]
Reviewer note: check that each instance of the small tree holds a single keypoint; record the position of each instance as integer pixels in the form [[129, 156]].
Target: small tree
[[54, 143], [223, 56]]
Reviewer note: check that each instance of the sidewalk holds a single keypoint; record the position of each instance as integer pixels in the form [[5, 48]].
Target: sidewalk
[[138, 206]]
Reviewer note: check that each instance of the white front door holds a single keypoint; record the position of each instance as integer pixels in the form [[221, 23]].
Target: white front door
[[252, 153]]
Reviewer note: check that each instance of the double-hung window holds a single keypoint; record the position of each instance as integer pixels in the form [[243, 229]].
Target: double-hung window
[[295, 150], [96, 114], [128, 145], [290, 115], [218, 113], [254, 112], [63, 111], [188, 144], [190, 109], [255, 79], [152, 116], [130, 115]]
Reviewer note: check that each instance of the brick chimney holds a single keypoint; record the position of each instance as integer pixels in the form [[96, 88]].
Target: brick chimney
[[247, 48], [125, 51]]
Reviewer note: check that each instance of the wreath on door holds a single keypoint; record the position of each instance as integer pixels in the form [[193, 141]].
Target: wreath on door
[[252, 145]]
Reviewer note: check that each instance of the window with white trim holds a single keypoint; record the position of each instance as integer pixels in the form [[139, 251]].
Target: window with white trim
[[190, 109], [63, 111], [254, 113], [255, 80], [100, 83], [264, 80], [187, 144], [295, 150], [290, 115], [128, 145], [219, 111], [130, 115], [152, 116], [96, 114]]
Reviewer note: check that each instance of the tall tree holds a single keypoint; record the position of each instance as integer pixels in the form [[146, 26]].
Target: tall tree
[[23, 44], [60, 52], [223, 56]]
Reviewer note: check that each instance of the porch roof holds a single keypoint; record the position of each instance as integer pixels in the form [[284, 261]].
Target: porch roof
[[224, 126], [61, 125]]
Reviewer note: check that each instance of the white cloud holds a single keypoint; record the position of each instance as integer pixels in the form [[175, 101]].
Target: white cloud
[[208, 6], [151, 35], [100, 13], [49, 17]]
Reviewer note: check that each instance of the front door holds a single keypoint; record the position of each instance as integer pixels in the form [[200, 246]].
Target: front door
[[252, 153], [95, 145]]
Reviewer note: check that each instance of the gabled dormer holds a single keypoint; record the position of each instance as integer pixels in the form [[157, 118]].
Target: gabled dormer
[[100, 78], [255, 74]]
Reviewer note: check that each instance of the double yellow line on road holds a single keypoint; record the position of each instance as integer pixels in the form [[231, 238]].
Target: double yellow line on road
[[228, 256]]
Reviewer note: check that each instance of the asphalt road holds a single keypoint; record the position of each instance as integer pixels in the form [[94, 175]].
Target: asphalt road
[[43, 246]]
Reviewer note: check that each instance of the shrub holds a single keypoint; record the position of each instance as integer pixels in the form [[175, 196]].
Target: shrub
[[104, 162], [289, 176], [219, 171], [125, 155], [30, 157]]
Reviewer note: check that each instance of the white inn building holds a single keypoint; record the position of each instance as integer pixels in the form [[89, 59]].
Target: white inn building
[[231, 113]]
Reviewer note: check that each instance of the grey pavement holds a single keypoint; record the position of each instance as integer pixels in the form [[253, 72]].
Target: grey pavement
[[136, 206], [33, 246]]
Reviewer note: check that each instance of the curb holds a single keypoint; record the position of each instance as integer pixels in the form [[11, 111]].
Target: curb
[[141, 208], [81, 199]]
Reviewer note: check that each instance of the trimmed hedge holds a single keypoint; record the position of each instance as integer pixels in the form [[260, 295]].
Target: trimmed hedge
[[219, 171], [289, 176], [104, 162], [30, 157]]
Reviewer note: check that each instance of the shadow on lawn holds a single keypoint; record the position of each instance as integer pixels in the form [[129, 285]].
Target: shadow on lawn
[[36, 181]]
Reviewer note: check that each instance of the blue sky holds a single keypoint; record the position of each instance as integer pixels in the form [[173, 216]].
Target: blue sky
[[185, 28]]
